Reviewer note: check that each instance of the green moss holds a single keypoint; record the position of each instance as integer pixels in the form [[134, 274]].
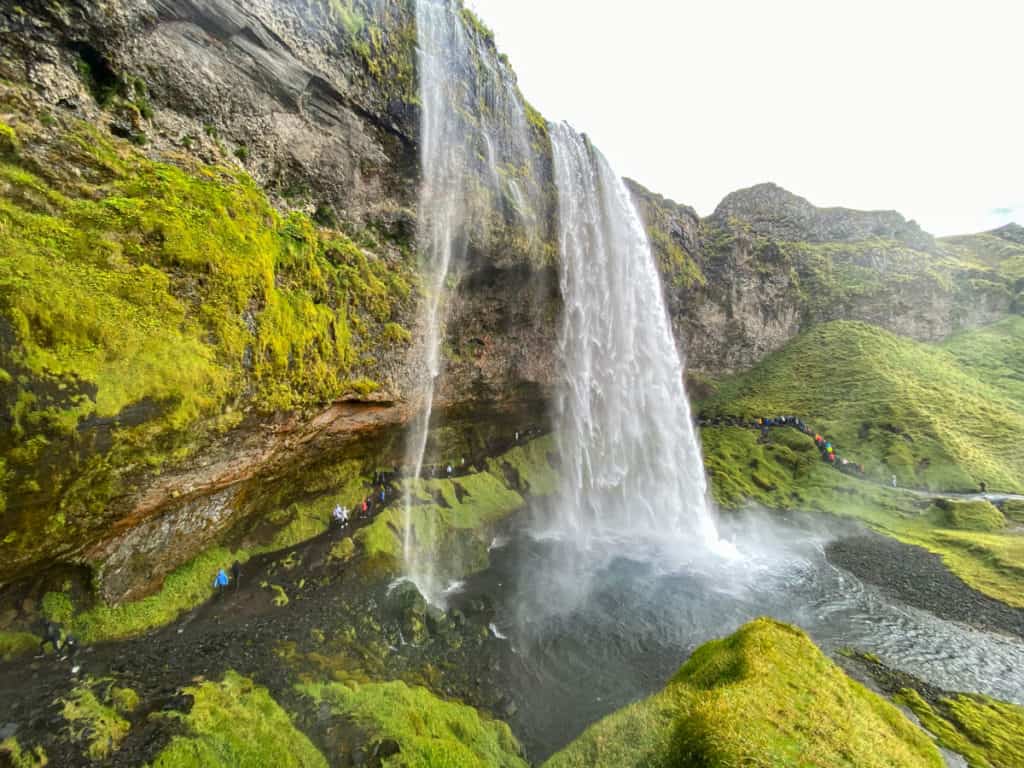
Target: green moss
[[989, 733], [1014, 510], [164, 300], [344, 549], [19, 758], [429, 730], [977, 515], [396, 334], [16, 643], [477, 27], [183, 589], [125, 700], [94, 721], [765, 696], [897, 406], [9, 143], [458, 531], [236, 724], [280, 596]]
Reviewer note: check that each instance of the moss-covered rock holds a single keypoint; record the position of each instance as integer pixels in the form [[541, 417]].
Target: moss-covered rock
[[977, 515], [236, 723], [94, 720], [427, 730], [22, 758], [765, 696], [16, 643], [145, 307]]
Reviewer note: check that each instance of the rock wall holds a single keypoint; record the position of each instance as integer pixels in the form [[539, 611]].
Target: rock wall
[[767, 265]]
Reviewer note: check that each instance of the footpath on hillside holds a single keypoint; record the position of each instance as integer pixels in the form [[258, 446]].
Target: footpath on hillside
[[831, 456]]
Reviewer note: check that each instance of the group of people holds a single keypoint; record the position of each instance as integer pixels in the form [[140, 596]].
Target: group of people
[[64, 644], [828, 453]]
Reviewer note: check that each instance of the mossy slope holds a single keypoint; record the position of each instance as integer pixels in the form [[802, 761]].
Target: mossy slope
[[897, 406], [988, 733], [146, 305], [429, 731], [787, 473], [453, 518], [765, 696], [236, 724]]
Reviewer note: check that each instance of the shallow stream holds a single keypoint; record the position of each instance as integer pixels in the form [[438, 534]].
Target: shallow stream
[[611, 625]]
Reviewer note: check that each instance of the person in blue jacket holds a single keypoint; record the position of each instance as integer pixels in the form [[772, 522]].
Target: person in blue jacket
[[220, 582]]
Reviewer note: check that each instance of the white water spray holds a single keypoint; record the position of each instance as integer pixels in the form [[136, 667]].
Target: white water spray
[[631, 462]]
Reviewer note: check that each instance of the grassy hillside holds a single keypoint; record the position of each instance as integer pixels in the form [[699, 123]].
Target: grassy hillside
[[995, 355], [765, 696], [943, 419]]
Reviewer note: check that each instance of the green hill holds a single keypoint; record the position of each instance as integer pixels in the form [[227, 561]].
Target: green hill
[[938, 418], [764, 696]]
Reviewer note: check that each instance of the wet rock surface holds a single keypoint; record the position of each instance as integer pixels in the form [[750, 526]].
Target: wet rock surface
[[918, 578]]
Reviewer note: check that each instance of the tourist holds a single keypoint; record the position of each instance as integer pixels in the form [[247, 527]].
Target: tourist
[[220, 582], [365, 508], [449, 470], [383, 494], [236, 573], [51, 634], [70, 648], [894, 481], [982, 486], [339, 515]]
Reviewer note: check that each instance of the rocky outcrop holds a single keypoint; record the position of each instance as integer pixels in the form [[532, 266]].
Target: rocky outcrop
[[770, 211], [768, 265]]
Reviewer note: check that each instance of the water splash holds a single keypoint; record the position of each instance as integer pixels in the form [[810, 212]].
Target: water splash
[[476, 157], [632, 465]]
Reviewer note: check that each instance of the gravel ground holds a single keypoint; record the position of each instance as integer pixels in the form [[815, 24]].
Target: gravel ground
[[919, 578]]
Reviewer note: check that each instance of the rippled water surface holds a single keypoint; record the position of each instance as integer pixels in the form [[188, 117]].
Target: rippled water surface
[[589, 638]]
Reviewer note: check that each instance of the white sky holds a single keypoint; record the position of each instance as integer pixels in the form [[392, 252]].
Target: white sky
[[905, 104]]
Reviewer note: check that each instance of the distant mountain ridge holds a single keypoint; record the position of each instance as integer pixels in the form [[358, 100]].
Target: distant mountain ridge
[[768, 264], [775, 212]]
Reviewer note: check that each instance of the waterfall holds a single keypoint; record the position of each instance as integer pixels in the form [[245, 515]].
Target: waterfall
[[631, 462], [476, 157]]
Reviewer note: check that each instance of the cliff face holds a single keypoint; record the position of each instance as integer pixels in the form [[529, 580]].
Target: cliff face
[[768, 265], [184, 348]]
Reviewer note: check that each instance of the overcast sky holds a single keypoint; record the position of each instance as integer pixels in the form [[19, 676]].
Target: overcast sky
[[915, 106]]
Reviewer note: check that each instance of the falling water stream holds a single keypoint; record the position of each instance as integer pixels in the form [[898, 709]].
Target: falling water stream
[[630, 457], [473, 144]]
